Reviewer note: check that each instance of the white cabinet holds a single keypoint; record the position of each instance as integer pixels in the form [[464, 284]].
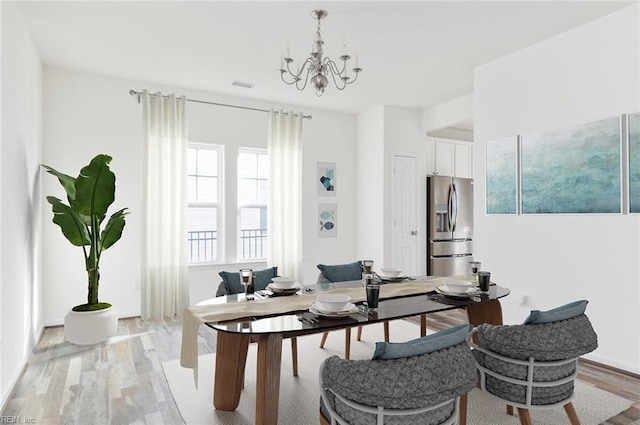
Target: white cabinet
[[450, 158]]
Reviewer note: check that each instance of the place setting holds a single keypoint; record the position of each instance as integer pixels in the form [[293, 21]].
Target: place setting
[[283, 286], [391, 275], [478, 284]]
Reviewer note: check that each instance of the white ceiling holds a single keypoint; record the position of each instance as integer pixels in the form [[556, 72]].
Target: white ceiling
[[414, 54]]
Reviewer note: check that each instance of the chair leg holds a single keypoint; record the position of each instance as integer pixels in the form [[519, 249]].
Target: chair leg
[[571, 413], [509, 410], [324, 339], [525, 418], [324, 420], [347, 343], [462, 410], [294, 355], [359, 334], [386, 330]]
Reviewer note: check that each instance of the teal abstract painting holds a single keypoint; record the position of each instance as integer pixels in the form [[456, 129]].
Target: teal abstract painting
[[573, 169], [634, 163], [502, 176]]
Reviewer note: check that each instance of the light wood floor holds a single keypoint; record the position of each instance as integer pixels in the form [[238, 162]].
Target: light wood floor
[[121, 382]]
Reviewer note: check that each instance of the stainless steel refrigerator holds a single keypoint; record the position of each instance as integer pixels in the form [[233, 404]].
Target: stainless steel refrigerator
[[449, 225]]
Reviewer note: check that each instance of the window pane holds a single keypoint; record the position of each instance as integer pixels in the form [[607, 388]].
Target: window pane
[[191, 161], [253, 233], [263, 167], [202, 234], [247, 192], [207, 189], [192, 188], [247, 165], [263, 191], [207, 162]]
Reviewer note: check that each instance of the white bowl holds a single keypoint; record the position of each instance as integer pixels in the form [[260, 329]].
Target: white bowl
[[284, 282], [458, 285], [391, 272], [333, 302]]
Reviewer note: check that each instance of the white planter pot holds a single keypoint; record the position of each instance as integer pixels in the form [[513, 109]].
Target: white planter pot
[[90, 327]]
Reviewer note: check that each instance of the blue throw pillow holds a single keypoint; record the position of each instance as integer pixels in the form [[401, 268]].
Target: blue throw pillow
[[426, 344], [557, 314], [341, 272], [233, 284]]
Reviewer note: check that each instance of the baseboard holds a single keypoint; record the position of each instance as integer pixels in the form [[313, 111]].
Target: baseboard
[[610, 368], [19, 376]]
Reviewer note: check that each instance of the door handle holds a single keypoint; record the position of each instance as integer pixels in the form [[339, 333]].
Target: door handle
[[414, 233]]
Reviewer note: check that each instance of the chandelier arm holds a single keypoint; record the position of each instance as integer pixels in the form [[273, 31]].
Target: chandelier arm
[[333, 67], [355, 77], [328, 62], [297, 75], [337, 84], [306, 80], [285, 81]]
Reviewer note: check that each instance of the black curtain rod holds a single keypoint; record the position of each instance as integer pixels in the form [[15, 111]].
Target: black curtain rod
[[137, 93]]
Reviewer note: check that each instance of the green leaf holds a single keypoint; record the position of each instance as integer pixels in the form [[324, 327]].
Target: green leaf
[[71, 223], [67, 182], [95, 187], [113, 230]]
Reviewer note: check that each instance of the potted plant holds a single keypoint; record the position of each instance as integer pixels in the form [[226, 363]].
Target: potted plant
[[81, 220]]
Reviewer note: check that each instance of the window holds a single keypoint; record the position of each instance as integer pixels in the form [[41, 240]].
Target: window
[[253, 190], [204, 182]]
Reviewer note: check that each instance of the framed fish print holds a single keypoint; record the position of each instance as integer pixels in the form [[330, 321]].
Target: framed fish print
[[327, 220], [326, 179]]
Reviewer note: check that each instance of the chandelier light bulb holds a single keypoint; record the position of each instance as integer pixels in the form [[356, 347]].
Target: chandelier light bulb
[[317, 68]]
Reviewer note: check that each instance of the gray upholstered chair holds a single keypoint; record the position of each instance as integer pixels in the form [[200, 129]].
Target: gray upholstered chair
[[532, 366], [424, 389]]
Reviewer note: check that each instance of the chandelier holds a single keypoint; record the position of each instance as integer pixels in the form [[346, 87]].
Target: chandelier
[[317, 68]]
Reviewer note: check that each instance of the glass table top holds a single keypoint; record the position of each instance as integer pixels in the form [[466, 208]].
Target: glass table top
[[304, 321]]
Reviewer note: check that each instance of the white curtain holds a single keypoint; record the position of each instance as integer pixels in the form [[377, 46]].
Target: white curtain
[[284, 209], [165, 279]]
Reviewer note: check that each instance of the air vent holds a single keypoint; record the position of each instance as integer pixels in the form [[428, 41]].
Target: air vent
[[242, 84]]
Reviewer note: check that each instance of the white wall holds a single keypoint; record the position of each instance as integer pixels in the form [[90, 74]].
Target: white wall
[[86, 114], [370, 183], [383, 132], [448, 114], [584, 74], [20, 210]]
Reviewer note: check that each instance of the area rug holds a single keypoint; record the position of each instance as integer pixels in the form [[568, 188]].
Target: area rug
[[299, 397]]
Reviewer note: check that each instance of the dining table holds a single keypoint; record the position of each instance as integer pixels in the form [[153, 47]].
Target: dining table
[[269, 319]]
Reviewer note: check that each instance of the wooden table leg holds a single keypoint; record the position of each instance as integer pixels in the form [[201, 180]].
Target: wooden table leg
[[294, 355], [423, 324], [347, 343], [485, 312], [268, 378], [231, 357]]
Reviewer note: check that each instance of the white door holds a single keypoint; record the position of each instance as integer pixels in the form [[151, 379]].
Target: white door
[[404, 248]]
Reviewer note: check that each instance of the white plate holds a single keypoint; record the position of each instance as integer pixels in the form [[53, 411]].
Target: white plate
[[294, 288], [449, 285], [317, 309], [392, 278], [469, 292]]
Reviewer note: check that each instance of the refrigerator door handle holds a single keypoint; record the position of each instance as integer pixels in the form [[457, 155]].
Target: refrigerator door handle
[[454, 209], [450, 208]]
